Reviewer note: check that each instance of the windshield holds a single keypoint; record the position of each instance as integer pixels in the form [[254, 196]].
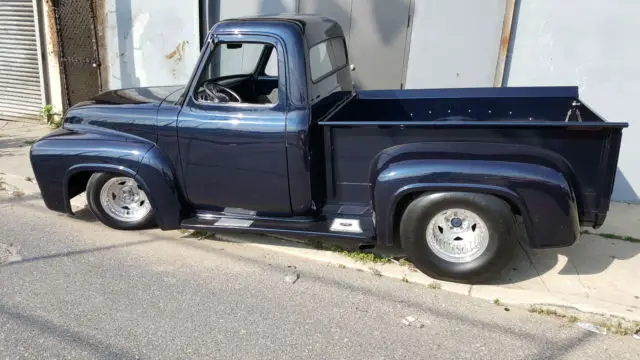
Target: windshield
[[229, 59]]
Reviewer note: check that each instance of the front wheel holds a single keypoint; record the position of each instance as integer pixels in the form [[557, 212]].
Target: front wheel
[[119, 202], [464, 237]]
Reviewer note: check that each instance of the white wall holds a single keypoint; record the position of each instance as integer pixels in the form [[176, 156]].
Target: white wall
[[150, 42], [50, 58], [593, 44], [454, 43], [239, 8]]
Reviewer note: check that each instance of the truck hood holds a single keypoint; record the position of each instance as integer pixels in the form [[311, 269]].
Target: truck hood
[[126, 111], [133, 96]]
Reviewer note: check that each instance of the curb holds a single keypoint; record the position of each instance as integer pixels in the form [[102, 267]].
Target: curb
[[505, 295]]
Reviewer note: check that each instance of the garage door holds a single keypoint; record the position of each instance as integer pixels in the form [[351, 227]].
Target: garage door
[[20, 83]]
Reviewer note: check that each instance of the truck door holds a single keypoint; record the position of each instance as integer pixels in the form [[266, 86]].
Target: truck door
[[231, 129]]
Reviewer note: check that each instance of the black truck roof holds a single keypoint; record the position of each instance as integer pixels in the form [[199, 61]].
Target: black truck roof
[[314, 28]]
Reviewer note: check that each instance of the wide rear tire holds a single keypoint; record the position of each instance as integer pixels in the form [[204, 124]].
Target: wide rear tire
[[462, 237]]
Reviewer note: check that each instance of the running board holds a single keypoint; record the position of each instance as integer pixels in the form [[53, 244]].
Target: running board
[[346, 228]]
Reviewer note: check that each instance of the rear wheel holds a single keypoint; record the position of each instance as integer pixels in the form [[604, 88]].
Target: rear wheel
[[463, 237], [119, 202]]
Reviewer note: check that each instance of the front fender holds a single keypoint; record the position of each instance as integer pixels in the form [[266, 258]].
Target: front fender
[[159, 181], [540, 194], [55, 159]]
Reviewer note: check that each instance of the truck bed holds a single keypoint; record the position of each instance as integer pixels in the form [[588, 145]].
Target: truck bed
[[547, 126]]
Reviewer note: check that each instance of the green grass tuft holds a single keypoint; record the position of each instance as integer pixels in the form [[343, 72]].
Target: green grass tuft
[[366, 257], [613, 326], [405, 262], [612, 236], [198, 234]]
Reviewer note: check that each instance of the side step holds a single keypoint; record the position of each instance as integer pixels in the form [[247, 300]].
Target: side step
[[356, 228]]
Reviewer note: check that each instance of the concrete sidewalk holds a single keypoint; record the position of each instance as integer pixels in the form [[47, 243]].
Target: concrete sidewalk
[[597, 275]]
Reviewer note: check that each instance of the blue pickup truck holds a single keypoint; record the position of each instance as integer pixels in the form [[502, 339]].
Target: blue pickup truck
[[270, 136]]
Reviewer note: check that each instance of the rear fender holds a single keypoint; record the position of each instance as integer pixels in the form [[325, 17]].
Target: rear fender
[[540, 194]]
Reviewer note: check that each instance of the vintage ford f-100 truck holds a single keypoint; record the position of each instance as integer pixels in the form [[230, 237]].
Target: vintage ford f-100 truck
[[270, 136]]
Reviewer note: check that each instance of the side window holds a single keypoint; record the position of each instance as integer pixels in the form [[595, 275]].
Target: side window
[[230, 74], [272, 65], [327, 57]]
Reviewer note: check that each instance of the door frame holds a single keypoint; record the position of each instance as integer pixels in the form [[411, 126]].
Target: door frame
[[190, 105]]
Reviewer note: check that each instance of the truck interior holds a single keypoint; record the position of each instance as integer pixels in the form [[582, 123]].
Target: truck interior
[[240, 72]]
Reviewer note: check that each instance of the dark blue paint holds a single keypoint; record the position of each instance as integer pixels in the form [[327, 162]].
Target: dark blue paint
[[55, 158], [132, 111], [222, 144], [325, 151], [529, 187]]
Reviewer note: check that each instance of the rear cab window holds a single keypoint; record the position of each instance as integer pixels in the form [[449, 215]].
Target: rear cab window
[[327, 57]]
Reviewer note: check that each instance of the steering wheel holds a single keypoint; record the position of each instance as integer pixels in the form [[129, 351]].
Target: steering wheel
[[220, 93]]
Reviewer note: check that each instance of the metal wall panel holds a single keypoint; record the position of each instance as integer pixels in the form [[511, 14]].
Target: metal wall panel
[[376, 32], [339, 10], [20, 76], [378, 42], [455, 43]]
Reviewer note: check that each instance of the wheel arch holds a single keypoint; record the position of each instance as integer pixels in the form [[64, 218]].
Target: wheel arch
[[77, 177], [153, 173], [404, 196], [539, 194]]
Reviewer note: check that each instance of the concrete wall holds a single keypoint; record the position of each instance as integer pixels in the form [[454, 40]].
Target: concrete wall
[[50, 61], [149, 43], [454, 43], [592, 44], [238, 8]]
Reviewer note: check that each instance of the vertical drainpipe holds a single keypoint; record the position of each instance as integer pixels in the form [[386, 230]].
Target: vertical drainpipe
[[209, 15], [505, 42]]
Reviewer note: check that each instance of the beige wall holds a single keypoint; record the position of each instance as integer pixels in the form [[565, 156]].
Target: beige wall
[[49, 50]]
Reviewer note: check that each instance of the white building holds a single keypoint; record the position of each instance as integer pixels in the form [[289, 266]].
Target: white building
[[393, 43]]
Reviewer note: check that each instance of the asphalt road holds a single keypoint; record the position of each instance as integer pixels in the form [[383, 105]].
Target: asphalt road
[[84, 291]]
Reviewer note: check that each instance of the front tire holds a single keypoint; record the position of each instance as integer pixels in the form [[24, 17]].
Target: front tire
[[119, 202], [463, 237]]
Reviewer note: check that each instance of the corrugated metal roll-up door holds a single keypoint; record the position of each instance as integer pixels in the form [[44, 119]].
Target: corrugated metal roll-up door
[[20, 82]]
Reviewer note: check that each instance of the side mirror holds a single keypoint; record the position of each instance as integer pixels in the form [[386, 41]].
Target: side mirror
[[352, 67]]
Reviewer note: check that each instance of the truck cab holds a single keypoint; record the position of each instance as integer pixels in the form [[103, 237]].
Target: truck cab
[[248, 110], [269, 135]]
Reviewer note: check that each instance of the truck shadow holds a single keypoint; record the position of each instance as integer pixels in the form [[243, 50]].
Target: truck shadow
[[591, 254], [84, 214], [11, 146]]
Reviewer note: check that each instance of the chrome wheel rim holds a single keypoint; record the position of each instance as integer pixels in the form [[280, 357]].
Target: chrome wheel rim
[[124, 200], [457, 235]]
